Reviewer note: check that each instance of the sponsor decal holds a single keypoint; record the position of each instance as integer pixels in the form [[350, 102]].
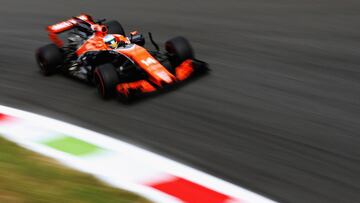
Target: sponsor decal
[[149, 61]]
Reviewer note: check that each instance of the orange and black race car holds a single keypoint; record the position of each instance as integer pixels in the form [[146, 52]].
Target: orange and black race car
[[99, 52]]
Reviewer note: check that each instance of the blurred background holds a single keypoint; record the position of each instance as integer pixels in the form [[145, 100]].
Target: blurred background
[[278, 114]]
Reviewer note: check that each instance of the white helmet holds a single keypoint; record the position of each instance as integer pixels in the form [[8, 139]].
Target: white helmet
[[111, 41]]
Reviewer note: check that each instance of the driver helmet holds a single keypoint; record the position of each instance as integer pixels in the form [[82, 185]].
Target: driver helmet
[[111, 41]]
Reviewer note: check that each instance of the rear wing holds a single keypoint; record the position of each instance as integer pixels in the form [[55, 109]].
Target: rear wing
[[68, 24], [63, 26]]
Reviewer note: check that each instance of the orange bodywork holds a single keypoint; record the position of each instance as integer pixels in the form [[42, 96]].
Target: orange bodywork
[[96, 43], [158, 74], [185, 70], [182, 72]]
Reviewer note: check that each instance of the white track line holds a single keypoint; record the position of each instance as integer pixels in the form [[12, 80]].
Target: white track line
[[120, 164]]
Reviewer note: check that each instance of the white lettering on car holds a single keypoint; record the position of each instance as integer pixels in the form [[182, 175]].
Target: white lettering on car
[[149, 61], [63, 25]]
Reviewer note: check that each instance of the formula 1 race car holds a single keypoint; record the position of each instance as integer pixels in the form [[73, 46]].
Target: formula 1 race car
[[99, 52]]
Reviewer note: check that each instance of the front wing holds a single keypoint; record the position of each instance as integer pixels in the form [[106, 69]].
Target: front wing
[[184, 71]]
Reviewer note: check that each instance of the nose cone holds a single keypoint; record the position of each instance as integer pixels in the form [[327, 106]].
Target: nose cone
[[164, 76]]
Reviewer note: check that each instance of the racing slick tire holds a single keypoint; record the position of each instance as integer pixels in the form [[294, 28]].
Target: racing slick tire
[[179, 49], [106, 79], [49, 58], [114, 27]]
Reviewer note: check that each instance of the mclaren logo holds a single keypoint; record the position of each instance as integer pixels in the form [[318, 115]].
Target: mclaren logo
[[149, 61]]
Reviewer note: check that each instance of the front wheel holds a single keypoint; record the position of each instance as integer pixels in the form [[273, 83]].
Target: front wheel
[[179, 49], [106, 79]]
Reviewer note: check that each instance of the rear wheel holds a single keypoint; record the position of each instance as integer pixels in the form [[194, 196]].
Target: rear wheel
[[49, 58], [114, 27], [106, 79], [179, 49]]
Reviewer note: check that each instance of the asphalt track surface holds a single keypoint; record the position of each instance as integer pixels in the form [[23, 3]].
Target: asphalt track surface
[[279, 113]]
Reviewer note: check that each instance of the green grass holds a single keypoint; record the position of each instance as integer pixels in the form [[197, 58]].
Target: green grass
[[28, 177]]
